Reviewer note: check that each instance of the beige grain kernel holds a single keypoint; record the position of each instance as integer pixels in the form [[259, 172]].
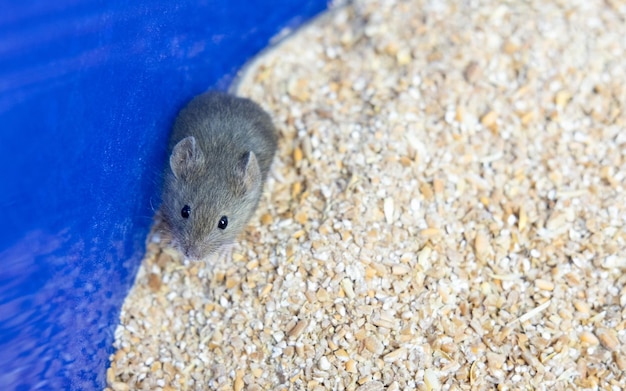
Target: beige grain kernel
[[403, 57], [431, 380], [348, 289], [510, 48], [383, 319], [238, 384], [426, 191], [388, 209], [561, 98], [301, 217], [397, 354], [374, 345], [620, 360], [297, 155], [296, 189], [266, 290], [252, 265], [527, 117], [154, 282], [481, 245], [119, 386], [582, 306], [608, 339], [267, 219], [438, 186], [430, 232], [351, 366], [322, 295], [297, 329], [471, 72], [522, 219], [587, 337], [298, 89], [110, 374], [391, 48], [495, 360], [342, 354], [360, 334], [373, 385], [400, 269], [556, 221], [424, 254], [232, 281], [488, 120], [324, 364], [544, 285]]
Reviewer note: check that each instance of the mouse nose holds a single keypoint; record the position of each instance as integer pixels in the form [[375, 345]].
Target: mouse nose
[[191, 253]]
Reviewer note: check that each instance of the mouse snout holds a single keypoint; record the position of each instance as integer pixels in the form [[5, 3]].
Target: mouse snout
[[191, 253]]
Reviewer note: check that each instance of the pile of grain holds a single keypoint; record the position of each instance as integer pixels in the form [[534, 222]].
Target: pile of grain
[[446, 210]]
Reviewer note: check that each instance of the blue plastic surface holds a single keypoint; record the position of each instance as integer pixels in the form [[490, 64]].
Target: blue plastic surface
[[88, 92]]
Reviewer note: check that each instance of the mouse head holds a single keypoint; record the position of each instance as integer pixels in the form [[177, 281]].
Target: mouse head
[[207, 200]]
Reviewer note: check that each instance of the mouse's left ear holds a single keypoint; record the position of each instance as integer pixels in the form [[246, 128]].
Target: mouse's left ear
[[187, 159], [249, 170]]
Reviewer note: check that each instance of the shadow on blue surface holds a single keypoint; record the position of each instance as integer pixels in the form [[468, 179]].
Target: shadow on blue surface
[[88, 91]]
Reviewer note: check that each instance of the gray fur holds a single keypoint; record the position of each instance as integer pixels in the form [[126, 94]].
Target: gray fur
[[221, 150]]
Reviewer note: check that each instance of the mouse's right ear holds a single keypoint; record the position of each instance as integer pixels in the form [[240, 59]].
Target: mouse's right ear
[[186, 159]]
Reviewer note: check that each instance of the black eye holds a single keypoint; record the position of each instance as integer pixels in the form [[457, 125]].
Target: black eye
[[185, 211], [223, 223]]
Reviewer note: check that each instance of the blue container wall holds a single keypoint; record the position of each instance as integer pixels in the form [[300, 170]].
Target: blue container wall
[[88, 92]]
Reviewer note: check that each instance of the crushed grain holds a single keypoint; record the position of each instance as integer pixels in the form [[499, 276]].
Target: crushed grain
[[446, 211]]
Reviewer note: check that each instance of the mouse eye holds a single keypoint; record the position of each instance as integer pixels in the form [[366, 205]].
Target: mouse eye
[[223, 223], [185, 211]]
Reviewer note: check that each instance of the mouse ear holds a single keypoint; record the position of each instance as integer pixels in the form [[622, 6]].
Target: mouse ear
[[186, 158], [249, 170]]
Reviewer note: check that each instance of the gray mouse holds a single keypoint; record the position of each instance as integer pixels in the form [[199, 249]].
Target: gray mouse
[[221, 149]]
